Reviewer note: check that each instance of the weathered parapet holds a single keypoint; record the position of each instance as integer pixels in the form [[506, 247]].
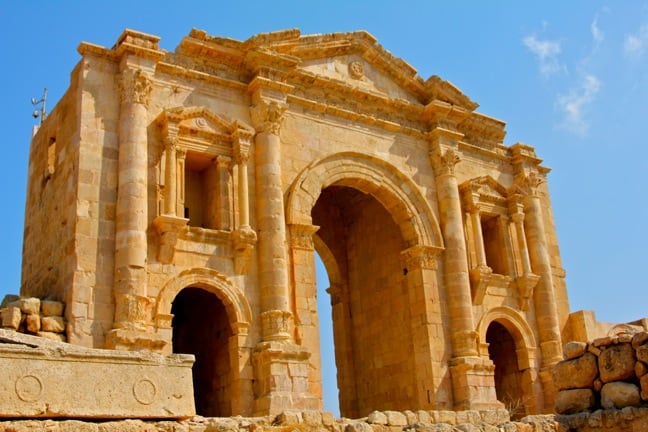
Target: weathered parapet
[[608, 373], [312, 421], [45, 379], [34, 316]]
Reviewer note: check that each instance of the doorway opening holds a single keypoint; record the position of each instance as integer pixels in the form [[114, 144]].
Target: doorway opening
[[201, 327], [508, 377]]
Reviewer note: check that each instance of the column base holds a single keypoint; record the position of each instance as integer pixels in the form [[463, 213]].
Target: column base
[[281, 370], [135, 340], [473, 384]]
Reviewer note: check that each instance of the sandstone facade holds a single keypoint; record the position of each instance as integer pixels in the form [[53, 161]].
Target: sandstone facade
[[176, 201]]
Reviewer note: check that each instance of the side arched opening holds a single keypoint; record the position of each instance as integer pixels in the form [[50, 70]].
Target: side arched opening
[[511, 348], [204, 314], [201, 327]]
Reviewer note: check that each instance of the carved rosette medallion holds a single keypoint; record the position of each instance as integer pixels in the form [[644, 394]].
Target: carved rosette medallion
[[267, 116], [135, 86], [356, 70], [29, 388], [145, 391]]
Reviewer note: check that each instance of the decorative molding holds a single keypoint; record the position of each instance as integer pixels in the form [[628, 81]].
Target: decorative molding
[[169, 229], [526, 285], [528, 184], [267, 116], [301, 236], [421, 257], [244, 240], [135, 86], [356, 70], [444, 161], [479, 280]]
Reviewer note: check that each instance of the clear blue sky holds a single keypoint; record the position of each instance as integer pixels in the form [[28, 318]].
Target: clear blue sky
[[570, 78]]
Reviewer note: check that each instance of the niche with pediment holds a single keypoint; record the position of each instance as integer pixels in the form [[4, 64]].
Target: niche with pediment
[[203, 178], [496, 243]]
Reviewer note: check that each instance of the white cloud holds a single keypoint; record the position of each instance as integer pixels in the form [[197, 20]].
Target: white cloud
[[574, 104], [597, 33], [546, 51], [635, 44]]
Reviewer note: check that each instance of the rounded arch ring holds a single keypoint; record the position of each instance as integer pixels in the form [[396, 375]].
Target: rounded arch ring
[[236, 305], [394, 190]]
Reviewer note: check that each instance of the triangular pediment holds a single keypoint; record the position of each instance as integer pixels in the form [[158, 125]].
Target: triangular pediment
[[483, 190], [353, 59]]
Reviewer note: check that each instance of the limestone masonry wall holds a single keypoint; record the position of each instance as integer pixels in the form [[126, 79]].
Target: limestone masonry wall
[[609, 372], [31, 315]]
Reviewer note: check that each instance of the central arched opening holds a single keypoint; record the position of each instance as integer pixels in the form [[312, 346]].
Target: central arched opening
[[371, 316], [201, 327], [508, 378]]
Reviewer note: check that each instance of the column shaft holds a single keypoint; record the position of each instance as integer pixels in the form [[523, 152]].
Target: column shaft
[[170, 179], [456, 266], [478, 237], [544, 296]]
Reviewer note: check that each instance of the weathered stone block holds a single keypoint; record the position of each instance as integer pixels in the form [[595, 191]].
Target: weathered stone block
[[58, 337], [641, 369], [9, 298], [616, 363], [54, 324], [29, 306], [377, 417], [11, 317], [52, 308], [576, 373], [62, 381], [642, 353], [358, 427], [639, 339], [619, 395], [574, 400], [396, 418], [33, 323], [574, 349]]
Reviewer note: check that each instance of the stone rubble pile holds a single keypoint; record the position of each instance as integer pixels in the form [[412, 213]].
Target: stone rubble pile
[[34, 316], [310, 421], [607, 373]]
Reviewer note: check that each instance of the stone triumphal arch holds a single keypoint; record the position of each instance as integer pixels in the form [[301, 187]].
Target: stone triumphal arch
[[176, 201]]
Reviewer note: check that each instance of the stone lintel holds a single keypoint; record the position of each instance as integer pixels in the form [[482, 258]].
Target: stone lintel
[[48, 379]]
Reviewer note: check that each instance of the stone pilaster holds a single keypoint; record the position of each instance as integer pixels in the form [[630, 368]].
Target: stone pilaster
[[472, 376], [444, 156], [544, 294], [271, 221], [281, 366], [421, 265], [133, 309], [244, 237]]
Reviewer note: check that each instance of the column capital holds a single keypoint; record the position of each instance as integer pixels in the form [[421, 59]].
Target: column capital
[[267, 116], [444, 160], [242, 140], [301, 236], [527, 184], [135, 86], [421, 257]]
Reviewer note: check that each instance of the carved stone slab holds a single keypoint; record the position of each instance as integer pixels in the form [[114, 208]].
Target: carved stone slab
[[43, 378]]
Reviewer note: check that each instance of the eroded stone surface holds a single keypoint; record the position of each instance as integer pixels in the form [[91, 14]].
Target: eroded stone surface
[[43, 378]]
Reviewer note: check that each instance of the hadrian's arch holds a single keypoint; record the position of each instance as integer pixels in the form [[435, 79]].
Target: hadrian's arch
[[379, 241], [507, 339], [207, 316]]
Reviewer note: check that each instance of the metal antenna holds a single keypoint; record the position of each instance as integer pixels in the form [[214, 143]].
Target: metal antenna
[[42, 113]]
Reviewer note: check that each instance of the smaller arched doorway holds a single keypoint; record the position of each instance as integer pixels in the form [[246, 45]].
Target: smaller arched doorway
[[508, 376], [201, 327]]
